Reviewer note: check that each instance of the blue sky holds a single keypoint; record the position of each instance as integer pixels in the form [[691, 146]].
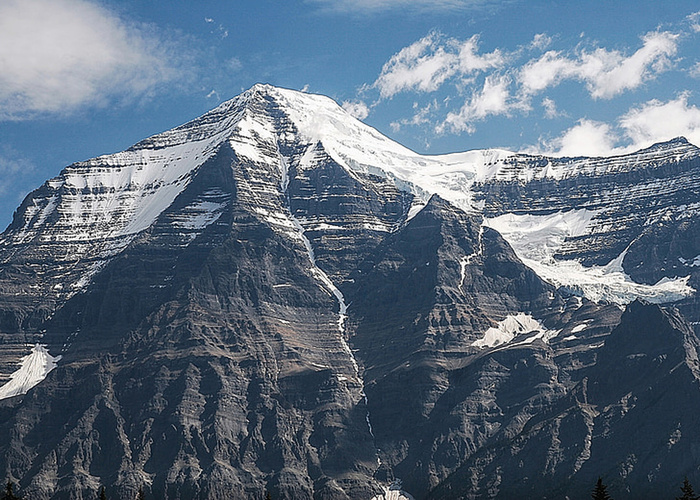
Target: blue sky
[[80, 78]]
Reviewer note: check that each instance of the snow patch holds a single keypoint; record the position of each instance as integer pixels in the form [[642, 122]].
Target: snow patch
[[513, 326], [393, 492], [415, 209], [467, 259], [691, 263], [537, 238], [35, 367], [200, 215], [579, 328]]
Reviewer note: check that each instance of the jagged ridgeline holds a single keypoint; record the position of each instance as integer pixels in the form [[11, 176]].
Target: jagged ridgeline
[[275, 300]]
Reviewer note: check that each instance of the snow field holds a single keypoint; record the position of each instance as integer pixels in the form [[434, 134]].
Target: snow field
[[512, 327], [34, 368]]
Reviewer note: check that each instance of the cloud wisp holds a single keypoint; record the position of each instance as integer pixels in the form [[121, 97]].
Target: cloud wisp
[[375, 6], [59, 56], [492, 99]]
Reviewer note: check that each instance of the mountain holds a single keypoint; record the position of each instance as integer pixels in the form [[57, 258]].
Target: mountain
[[275, 298]]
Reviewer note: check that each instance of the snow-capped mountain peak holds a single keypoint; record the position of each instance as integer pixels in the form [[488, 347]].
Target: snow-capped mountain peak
[[100, 205]]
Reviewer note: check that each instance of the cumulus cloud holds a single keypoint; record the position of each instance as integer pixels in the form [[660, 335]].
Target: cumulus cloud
[[426, 64], [606, 73], [586, 138], [57, 56], [641, 126], [546, 71], [656, 121], [470, 61], [473, 85], [423, 65]]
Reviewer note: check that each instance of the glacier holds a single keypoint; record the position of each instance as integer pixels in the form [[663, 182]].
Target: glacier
[[537, 238]]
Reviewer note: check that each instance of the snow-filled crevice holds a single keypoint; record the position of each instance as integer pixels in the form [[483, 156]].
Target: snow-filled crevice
[[321, 276], [467, 259], [34, 368]]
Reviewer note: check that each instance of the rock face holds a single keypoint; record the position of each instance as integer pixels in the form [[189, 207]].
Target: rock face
[[627, 420], [660, 185], [274, 298]]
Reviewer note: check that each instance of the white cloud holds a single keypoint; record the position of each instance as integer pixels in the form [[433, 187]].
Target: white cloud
[[550, 108], [507, 82], [695, 70], [426, 64], [611, 73], [649, 123], [57, 56], [547, 71], [656, 121], [586, 138], [492, 99], [694, 21], [470, 61], [421, 116], [606, 73], [358, 109], [541, 41], [423, 65]]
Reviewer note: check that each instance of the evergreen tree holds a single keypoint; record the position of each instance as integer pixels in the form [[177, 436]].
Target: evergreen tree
[[599, 492], [141, 495], [103, 494], [688, 493], [9, 493], [268, 496]]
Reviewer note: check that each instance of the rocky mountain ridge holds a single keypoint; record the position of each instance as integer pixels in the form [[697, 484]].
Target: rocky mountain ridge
[[276, 298]]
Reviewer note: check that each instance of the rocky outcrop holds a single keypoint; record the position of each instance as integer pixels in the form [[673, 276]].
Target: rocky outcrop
[[419, 304], [629, 419]]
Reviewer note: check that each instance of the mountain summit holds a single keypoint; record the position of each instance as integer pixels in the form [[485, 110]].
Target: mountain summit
[[276, 298]]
